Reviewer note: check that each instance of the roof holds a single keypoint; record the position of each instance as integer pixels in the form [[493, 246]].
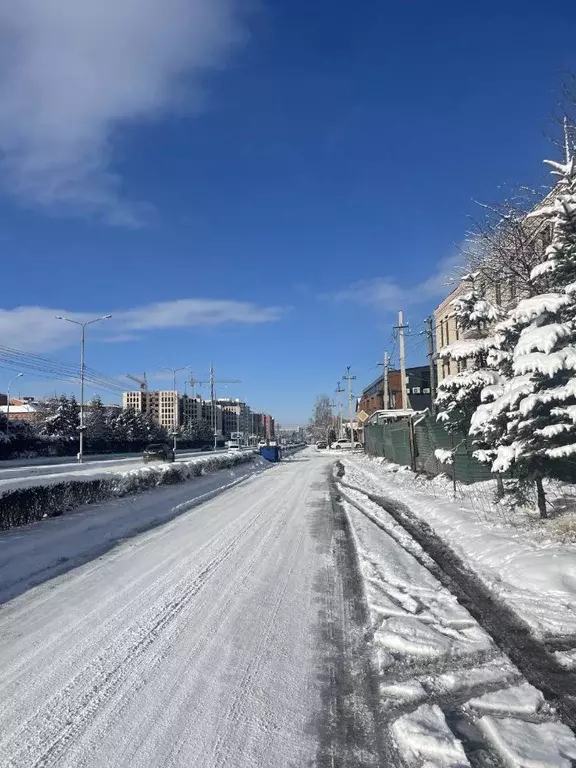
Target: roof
[[415, 370], [28, 408]]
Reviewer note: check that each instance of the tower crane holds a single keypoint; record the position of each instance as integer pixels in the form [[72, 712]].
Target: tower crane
[[141, 380]]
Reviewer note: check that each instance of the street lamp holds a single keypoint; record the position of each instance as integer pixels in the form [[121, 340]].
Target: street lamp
[[82, 372], [175, 423], [18, 375]]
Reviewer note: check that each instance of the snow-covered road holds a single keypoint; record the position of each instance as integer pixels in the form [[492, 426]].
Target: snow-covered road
[[14, 474], [205, 642]]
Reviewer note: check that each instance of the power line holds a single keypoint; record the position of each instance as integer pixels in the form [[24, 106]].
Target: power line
[[45, 367]]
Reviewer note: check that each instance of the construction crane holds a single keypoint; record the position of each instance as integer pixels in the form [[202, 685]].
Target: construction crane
[[141, 380]]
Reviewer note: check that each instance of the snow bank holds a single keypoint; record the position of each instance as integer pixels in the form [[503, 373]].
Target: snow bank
[[426, 740], [50, 497], [530, 745], [513, 562]]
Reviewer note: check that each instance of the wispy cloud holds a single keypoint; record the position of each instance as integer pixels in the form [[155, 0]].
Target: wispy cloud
[[34, 328], [71, 72], [387, 294]]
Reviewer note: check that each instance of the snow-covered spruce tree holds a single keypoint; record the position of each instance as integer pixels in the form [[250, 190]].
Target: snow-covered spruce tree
[[532, 421], [62, 421], [98, 431], [459, 395]]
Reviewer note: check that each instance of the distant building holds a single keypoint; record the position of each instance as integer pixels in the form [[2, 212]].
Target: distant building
[[418, 390], [235, 416], [212, 412], [165, 406], [192, 409], [21, 410]]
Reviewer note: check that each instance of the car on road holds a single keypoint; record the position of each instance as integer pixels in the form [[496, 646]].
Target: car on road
[[321, 444], [158, 452], [346, 445]]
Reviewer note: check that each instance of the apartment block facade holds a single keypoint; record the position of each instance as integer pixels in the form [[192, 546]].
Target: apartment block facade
[[164, 406]]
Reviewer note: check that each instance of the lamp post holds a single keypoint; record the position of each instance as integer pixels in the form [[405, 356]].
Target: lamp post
[[175, 420], [82, 371], [18, 375]]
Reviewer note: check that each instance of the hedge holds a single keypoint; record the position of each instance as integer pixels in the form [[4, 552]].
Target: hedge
[[22, 506]]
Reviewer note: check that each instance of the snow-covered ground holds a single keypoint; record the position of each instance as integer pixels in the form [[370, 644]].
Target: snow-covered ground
[[203, 642], [215, 626], [535, 575], [36, 553], [447, 691], [23, 475]]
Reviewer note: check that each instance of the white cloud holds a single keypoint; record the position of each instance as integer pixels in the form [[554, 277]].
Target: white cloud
[[36, 329], [71, 72], [387, 294]]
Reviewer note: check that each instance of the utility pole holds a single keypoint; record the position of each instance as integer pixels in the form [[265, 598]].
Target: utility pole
[[213, 404], [385, 374], [339, 390], [349, 378], [403, 383], [431, 361]]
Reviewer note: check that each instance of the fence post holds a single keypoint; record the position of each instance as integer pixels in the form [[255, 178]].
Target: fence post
[[412, 443], [453, 463]]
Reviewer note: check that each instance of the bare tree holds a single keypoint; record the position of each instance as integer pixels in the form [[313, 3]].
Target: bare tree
[[322, 418], [503, 246]]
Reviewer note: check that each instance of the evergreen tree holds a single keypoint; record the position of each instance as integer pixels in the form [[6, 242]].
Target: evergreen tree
[[531, 424], [198, 429], [98, 431], [459, 395], [62, 419]]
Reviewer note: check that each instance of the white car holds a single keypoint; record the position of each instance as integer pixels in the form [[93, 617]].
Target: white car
[[345, 445]]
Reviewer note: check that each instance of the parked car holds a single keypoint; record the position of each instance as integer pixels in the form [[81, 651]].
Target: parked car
[[344, 444], [158, 452], [207, 448], [321, 444]]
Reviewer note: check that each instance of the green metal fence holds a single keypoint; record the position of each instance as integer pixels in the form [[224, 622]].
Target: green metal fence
[[395, 442]]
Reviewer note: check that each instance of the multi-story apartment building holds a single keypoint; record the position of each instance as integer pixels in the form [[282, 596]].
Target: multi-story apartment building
[[212, 412], [170, 410], [235, 416], [503, 283], [192, 409], [165, 406], [267, 426]]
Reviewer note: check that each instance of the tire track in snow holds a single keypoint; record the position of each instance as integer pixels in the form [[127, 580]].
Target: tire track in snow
[[46, 736], [512, 636]]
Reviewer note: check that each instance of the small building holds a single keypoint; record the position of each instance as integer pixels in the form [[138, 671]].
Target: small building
[[417, 385], [30, 411]]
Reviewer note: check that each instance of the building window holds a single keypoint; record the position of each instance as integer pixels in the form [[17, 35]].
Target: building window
[[442, 333], [447, 331]]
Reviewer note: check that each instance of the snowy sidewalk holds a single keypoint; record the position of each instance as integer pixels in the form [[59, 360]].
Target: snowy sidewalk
[[449, 695], [535, 577]]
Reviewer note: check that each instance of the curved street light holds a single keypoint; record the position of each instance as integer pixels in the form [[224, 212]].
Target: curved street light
[[82, 370]]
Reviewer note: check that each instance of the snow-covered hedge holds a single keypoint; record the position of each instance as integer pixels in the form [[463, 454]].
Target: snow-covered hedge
[[21, 506]]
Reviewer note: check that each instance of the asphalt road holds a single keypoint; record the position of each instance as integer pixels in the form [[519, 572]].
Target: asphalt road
[[218, 639]]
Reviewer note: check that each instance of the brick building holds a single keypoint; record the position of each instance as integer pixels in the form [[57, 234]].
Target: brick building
[[418, 386]]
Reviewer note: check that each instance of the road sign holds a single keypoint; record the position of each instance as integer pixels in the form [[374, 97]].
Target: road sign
[[362, 416]]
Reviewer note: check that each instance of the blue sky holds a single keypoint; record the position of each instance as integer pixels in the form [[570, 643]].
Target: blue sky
[[260, 187]]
